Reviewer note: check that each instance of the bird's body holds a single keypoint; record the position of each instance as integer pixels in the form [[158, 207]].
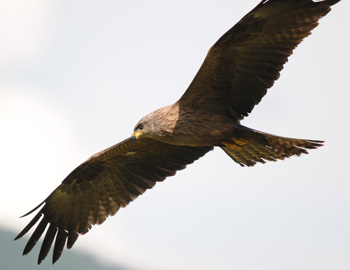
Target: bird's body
[[235, 75], [187, 129]]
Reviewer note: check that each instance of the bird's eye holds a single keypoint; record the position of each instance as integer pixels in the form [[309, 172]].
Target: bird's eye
[[140, 126]]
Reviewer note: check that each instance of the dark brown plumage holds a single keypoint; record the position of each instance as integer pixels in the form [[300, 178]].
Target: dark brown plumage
[[234, 77]]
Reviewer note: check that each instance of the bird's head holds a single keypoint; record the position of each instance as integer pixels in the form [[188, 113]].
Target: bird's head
[[138, 131], [143, 127], [156, 124]]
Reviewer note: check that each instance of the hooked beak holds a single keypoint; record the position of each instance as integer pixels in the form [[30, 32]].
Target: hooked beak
[[136, 135]]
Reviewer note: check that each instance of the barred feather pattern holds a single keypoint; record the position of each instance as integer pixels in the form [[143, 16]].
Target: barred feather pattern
[[272, 148], [99, 187]]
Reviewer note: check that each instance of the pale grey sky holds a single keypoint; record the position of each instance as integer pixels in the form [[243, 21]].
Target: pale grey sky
[[77, 75]]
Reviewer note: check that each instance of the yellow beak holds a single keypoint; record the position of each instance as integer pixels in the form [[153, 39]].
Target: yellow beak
[[136, 135]]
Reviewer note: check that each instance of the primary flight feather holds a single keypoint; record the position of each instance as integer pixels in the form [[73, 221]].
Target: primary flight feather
[[235, 75]]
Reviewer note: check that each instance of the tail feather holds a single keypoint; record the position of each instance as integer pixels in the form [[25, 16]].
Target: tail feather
[[262, 147]]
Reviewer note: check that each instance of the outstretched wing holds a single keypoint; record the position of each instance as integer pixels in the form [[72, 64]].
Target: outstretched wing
[[100, 186], [246, 61]]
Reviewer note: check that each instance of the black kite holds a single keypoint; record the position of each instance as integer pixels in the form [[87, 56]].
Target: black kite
[[234, 77]]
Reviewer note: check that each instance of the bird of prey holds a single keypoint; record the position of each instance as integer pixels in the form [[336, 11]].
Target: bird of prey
[[235, 75]]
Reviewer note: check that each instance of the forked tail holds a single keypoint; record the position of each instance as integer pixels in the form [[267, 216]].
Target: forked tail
[[252, 146]]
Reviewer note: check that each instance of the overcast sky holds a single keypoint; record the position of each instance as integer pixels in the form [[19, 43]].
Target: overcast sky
[[75, 77]]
